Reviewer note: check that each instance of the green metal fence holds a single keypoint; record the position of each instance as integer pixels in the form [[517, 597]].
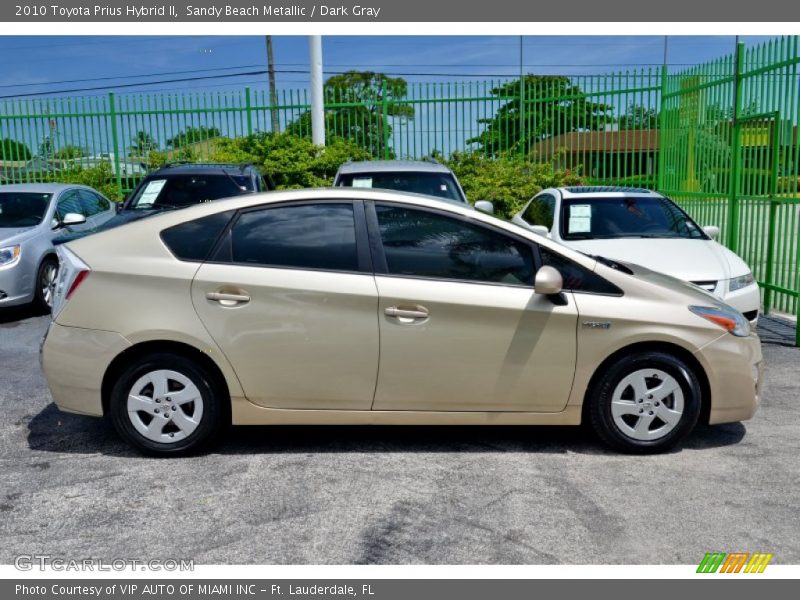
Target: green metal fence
[[721, 138]]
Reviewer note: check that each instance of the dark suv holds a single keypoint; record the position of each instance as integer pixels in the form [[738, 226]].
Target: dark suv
[[176, 186]]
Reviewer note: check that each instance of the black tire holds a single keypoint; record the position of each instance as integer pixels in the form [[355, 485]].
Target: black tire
[[600, 397], [39, 299], [214, 419]]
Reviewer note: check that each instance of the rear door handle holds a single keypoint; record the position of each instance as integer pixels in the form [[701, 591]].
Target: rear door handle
[[416, 313], [228, 299]]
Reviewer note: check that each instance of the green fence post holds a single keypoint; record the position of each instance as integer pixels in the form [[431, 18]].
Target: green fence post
[[662, 116], [522, 114], [385, 120], [249, 110], [112, 110], [773, 212], [736, 159]]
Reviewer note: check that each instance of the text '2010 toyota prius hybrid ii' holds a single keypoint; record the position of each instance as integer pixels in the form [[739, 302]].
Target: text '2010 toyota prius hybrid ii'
[[345, 306]]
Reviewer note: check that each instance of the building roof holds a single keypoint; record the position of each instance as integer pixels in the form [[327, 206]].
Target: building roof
[[575, 142], [383, 166]]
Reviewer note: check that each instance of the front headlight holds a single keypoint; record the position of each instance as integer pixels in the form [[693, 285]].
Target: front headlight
[[9, 254], [730, 319], [738, 283]]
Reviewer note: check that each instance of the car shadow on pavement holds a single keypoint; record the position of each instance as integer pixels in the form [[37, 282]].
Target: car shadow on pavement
[[54, 431], [14, 315]]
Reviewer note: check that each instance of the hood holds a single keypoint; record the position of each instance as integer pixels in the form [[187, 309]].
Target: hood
[[688, 260], [121, 218], [15, 235]]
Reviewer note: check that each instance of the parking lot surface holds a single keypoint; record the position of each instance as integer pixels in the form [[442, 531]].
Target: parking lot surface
[[533, 495]]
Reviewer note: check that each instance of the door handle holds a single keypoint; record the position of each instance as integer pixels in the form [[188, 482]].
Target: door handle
[[228, 299], [418, 312]]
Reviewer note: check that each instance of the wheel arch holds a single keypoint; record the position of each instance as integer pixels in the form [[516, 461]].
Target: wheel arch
[[141, 349], [660, 346]]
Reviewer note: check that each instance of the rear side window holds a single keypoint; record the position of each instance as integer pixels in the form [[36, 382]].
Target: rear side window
[[540, 211], [577, 278], [311, 236], [193, 240], [424, 244]]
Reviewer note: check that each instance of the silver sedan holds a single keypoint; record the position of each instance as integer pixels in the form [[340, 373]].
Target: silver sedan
[[31, 215]]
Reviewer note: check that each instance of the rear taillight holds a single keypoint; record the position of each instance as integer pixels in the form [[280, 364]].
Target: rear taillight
[[72, 273], [76, 282]]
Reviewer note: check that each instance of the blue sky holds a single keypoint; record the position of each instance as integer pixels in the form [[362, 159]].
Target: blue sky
[[47, 63]]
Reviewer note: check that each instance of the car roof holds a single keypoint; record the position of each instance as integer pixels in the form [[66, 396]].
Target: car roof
[[383, 166], [41, 188], [604, 191], [203, 168]]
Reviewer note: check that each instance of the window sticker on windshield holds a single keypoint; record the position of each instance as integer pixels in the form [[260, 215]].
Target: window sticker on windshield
[[362, 182], [152, 191], [580, 218], [443, 187]]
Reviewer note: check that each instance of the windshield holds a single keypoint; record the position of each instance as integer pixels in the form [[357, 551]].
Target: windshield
[[634, 217], [179, 191], [19, 209], [441, 185]]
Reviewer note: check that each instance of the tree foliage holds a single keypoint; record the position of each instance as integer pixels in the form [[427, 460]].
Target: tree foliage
[[143, 144], [292, 161], [359, 107], [69, 152], [192, 135], [639, 117], [508, 180], [14, 150], [563, 107]]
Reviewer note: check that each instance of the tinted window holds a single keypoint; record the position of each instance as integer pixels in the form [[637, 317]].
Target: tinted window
[[70, 203], [441, 185], [22, 209], [315, 236], [179, 191], [577, 278], [427, 244], [193, 240], [637, 217], [540, 211], [91, 203]]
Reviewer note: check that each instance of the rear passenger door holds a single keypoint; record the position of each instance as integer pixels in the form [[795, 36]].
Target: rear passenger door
[[290, 298]]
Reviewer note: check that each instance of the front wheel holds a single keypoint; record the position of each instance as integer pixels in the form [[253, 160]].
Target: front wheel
[[46, 284], [166, 405], [645, 403]]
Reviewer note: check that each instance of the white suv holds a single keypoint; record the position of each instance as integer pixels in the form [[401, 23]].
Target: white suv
[[646, 228]]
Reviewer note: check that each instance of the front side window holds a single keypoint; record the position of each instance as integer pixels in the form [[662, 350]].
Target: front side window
[[440, 185], [70, 203], [425, 244], [540, 211], [22, 209], [91, 203], [632, 217], [312, 236]]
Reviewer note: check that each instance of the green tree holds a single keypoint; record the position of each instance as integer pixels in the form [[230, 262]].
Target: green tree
[[360, 106], [191, 135], [69, 152], [46, 147], [563, 107], [14, 150], [143, 144], [639, 117]]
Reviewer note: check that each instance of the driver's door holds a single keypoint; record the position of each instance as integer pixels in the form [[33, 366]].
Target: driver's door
[[461, 328]]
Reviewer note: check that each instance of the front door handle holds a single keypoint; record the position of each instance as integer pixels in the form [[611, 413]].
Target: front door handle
[[415, 313], [228, 299]]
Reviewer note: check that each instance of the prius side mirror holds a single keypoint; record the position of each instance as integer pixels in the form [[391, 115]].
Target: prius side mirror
[[548, 281], [711, 231], [485, 207]]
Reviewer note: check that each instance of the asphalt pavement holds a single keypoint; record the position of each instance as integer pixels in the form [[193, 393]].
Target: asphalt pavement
[[432, 495]]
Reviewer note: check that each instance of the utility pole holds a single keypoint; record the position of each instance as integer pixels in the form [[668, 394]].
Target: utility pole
[[317, 102], [273, 93]]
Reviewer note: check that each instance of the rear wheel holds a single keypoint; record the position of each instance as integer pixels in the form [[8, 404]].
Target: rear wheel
[[166, 405], [46, 283], [645, 403]]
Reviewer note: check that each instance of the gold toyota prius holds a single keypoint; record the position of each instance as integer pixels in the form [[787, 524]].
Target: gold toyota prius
[[347, 306]]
